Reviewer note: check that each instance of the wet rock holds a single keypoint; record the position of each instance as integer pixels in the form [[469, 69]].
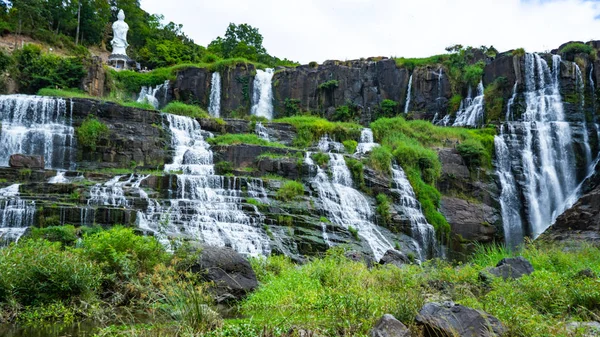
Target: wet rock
[[449, 320], [389, 326], [395, 258], [511, 268], [26, 161], [230, 272], [472, 221]]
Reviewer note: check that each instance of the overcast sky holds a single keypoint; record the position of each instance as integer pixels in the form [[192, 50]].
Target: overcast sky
[[318, 30]]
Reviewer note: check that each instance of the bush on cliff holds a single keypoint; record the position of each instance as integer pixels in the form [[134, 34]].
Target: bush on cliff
[[311, 128], [182, 109], [290, 190], [242, 138], [90, 132], [577, 48]]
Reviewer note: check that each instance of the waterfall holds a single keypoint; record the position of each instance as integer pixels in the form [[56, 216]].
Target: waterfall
[[408, 93], [327, 145], [540, 147], [344, 205], [470, 112], [59, 178], [214, 101], [262, 97], [580, 87], [510, 115], [439, 75], [37, 125], [151, 95], [204, 207], [16, 215], [422, 231], [261, 131], [366, 143]]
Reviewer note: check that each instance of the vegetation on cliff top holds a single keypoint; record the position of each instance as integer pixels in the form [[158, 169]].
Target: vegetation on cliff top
[[310, 128]]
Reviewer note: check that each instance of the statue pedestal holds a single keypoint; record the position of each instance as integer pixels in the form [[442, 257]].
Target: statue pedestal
[[121, 62]]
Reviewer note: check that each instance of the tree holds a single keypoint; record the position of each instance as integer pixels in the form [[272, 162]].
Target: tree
[[240, 41]]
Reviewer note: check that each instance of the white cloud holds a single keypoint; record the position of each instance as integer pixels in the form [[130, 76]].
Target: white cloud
[[317, 30]]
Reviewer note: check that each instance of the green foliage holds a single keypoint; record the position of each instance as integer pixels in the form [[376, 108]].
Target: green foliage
[[518, 52], [412, 63], [345, 113], [242, 138], [354, 232], [357, 170], [5, 61], [350, 145], [63, 93], [66, 235], [473, 153], [224, 167], [90, 132], [132, 81], [182, 109], [320, 158], [291, 107], [387, 108], [310, 129], [290, 190], [121, 253], [494, 99], [36, 70], [577, 48], [39, 271], [472, 73], [454, 103], [380, 159], [329, 85], [383, 208]]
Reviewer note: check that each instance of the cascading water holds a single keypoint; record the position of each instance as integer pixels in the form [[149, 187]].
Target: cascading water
[[408, 93], [261, 131], [37, 125], [154, 95], [59, 178], [214, 101], [510, 115], [366, 143], [422, 231], [440, 75], [344, 205], [540, 149], [470, 112], [205, 207], [16, 215], [580, 86], [326, 145], [262, 97]]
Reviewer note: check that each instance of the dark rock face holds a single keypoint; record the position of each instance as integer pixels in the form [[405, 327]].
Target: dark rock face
[[26, 161], [245, 155], [136, 136], [192, 85], [389, 326], [453, 320], [93, 82], [431, 92], [231, 273], [395, 257], [237, 85], [512, 268], [472, 221]]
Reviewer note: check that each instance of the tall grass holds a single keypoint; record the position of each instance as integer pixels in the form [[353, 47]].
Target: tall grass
[[242, 138], [311, 128]]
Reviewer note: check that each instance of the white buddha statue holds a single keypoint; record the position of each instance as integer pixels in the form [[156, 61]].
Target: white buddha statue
[[119, 41]]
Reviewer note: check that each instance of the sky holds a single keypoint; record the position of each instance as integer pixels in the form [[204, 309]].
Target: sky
[[319, 30]]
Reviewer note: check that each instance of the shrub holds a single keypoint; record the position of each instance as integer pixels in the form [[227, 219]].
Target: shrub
[[472, 73], [494, 100], [357, 170], [38, 271], [223, 167], [182, 109], [454, 103], [121, 253], [577, 48], [313, 64], [90, 132], [350, 145], [329, 85], [310, 128], [290, 190], [380, 159], [387, 108], [291, 106], [383, 208], [242, 138], [473, 153], [320, 158], [518, 52], [66, 235]]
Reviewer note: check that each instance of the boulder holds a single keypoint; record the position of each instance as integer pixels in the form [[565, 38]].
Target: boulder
[[230, 272], [509, 268], [394, 257], [449, 320], [389, 326], [26, 161], [584, 329]]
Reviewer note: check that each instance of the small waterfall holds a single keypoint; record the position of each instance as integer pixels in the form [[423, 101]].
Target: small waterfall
[[510, 114], [214, 105], [408, 93], [344, 205], [440, 75], [470, 112], [539, 148], [262, 98], [37, 125], [422, 231], [205, 207], [110, 193], [16, 215], [157, 96], [327, 145], [261, 131], [59, 178], [366, 143], [580, 86]]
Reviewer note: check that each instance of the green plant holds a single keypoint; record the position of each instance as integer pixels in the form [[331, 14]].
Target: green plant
[[357, 170], [182, 109], [242, 138], [577, 48], [224, 167], [290, 190], [310, 128], [350, 145], [518, 52], [354, 232], [380, 159], [291, 106], [383, 208], [320, 158], [454, 103], [328, 86], [66, 235], [91, 131], [494, 100], [473, 153], [387, 108], [313, 64]]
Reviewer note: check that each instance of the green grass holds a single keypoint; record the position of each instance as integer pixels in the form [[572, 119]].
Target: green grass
[[182, 109], [90, 132], [412, 63], [311, 128], [290, 190], [242, 138], [67, 93]]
